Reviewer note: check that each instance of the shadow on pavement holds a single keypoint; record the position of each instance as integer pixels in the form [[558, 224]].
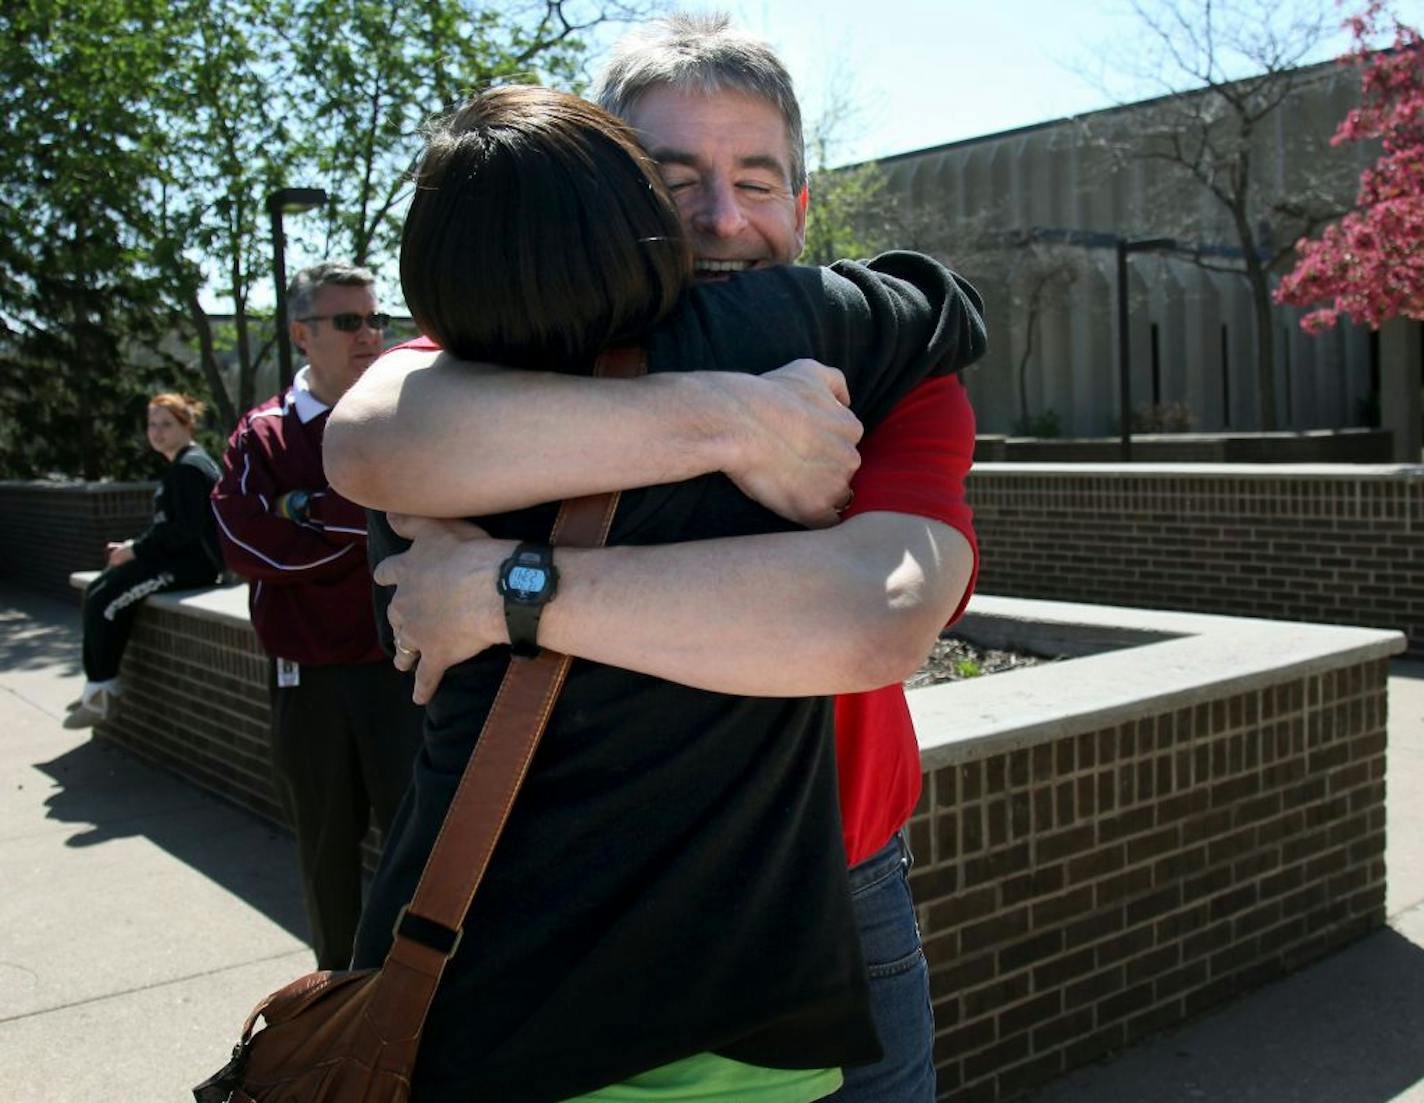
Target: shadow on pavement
[[30, 644], [1349, 1029], [1406, 668], [115, 796]]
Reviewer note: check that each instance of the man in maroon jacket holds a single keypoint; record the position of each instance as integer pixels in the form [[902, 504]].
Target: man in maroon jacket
[[344, 729]]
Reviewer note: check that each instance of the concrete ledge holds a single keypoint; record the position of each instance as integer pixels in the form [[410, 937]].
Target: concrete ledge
[[1349, 446], [1128, 664], [1345, 472], [225, 605], [1110, 845], [1159, 662], [99, 487]]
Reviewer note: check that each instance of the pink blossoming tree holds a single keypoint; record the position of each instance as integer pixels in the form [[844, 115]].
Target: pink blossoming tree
[[1369, 266]]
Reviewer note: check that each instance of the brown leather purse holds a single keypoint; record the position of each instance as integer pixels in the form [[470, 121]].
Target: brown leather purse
[[352, 1037]]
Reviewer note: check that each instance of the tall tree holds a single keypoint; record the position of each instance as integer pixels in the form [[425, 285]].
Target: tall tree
[[847, 216], [369, 73], [852, 213], [77, 286], [228, 123], [143, 137], [1370, 264], [1226, 67], [1024, 274]]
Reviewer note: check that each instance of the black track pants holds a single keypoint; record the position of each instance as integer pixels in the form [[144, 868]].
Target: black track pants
[[111, 602]]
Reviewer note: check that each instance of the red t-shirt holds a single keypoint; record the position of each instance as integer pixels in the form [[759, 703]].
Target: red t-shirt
[[914, 462]]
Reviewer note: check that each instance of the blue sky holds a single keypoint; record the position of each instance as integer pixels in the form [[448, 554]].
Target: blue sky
[[924, 72]]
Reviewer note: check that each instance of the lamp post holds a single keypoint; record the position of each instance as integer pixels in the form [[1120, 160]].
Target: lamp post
[[1124, 353], [280, 202]]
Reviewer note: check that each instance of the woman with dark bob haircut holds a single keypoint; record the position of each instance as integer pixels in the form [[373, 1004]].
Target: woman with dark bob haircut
[[539, 234], [667, 914]]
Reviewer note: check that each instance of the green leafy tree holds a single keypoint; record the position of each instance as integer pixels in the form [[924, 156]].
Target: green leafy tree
[[143, 138], [846, 217], [78, 290], [226, 120], [368, 74], [852, 213]]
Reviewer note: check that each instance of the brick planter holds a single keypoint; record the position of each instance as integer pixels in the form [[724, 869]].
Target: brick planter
[[1105, 846], [1096, 888]]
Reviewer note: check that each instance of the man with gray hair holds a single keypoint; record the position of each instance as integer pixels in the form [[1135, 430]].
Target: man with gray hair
[[851, 608], [344, 730]]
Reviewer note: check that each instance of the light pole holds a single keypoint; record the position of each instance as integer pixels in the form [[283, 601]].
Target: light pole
[[280, 202], [1124, 350]]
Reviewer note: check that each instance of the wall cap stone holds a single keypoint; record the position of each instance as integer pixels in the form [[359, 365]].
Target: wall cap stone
[[1161, 662], [75, 486], [1194, 657], [225, 605], [1345, 472]]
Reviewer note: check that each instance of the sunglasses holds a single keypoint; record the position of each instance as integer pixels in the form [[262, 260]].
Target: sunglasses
[[350, 323]]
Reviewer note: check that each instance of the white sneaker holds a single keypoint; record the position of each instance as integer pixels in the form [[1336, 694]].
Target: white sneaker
[[99, 706]]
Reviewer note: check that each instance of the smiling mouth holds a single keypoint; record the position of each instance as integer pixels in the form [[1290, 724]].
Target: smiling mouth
[[706, 268]]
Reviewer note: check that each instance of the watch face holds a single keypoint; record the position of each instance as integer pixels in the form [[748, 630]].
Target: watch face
[[527, 581]]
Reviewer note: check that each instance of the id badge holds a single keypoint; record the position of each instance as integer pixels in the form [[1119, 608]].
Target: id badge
[[288, 674]]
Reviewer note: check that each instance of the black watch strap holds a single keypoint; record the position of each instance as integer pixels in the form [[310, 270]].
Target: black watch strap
[[522, 621]]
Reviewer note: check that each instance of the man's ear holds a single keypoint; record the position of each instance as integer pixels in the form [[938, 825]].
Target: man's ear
[[297, 331]]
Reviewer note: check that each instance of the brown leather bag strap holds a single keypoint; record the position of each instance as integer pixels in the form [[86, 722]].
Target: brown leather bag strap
[[500, 760]]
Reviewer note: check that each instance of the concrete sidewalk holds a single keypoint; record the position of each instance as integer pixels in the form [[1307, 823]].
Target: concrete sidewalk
[[141, 919]]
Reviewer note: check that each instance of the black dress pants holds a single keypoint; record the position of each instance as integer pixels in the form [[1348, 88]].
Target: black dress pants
[[343, 741], [111, 601]]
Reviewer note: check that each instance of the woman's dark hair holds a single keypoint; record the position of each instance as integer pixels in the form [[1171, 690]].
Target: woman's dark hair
[[540, 232]]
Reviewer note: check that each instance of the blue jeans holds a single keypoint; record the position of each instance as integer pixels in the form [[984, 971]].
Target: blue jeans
[[899, 983]]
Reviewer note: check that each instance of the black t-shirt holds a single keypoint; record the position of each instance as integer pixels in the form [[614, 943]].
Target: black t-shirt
[[671, 879]]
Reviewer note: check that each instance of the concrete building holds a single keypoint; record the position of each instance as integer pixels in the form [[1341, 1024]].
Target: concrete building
[[1066, 190]]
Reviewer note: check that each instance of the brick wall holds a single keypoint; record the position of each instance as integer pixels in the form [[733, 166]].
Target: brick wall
[[196, 703], [1334, 545], [1081, 893], [195, 700], [52, 529]]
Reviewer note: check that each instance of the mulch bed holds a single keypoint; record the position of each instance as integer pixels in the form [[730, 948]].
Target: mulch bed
[[956, 660]]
